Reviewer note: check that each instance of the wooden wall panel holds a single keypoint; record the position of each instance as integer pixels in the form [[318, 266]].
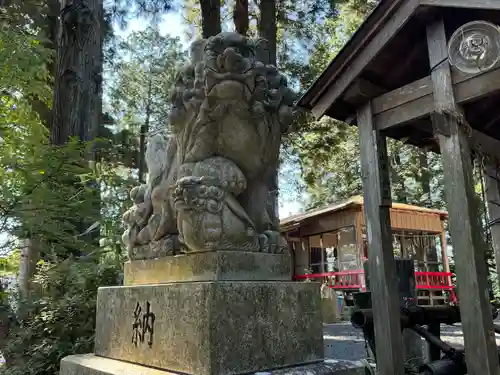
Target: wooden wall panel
[[328, 222], [412, 220], [301, 256]]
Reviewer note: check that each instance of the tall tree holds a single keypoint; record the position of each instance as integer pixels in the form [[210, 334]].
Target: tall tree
[[78, 83], [268, 28], [140, 86], [24, 77], [210, 17], [241, 17]]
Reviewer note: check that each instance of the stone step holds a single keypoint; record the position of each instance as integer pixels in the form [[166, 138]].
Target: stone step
[[211, 328], [90, 364]]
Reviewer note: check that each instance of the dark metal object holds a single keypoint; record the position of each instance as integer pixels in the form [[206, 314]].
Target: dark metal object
[[430, 338], [421, 315], [433, 350], [414, 317], [445, 366]]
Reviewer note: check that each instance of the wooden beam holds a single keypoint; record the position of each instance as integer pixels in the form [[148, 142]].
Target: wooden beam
[[469, 248], [478, 86], [362, 90], [444, 251], [360, 246], [469, 4], [410, 111], [414, 100], [403, 95], [370, 48], [485, 144], [382, 267]]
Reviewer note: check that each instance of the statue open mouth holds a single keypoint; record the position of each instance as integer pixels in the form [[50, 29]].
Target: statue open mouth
[[229, 86]]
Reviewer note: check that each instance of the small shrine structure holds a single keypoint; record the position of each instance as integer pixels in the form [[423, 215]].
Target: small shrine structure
[[394, 79], [329, 244]]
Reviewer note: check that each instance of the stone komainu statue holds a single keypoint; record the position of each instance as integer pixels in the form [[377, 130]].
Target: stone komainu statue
[[211, 181]]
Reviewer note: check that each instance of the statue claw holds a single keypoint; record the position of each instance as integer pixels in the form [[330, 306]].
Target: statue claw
[[272, 242]]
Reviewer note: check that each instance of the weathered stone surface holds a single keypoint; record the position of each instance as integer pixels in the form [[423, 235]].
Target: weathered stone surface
[[89, 364], [327, 367], [212, 181], [209, 266], [213, 328]]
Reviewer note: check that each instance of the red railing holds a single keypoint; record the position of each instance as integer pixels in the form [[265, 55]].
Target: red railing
[[355, 280], [352, 279], [436, 281]]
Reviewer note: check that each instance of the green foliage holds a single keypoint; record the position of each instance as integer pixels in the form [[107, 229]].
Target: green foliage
[[328, 150], [137, 88], [46, 194], [125, 10], [24, 76], [60, 317], [142, 78], [24, 61], [9, 265]]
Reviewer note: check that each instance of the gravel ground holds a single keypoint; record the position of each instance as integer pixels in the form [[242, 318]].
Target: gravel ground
[[343, 341]]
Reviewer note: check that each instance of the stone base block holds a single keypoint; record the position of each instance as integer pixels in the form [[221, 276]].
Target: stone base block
[[209, 266], [89, 364], [211, 328], [330, 310], [327, 367]]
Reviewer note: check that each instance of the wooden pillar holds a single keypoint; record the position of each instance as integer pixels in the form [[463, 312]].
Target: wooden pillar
[[381, 264], [477, 322], [492, 187], [306, 249], [412, 343], [322, 268], [359, 239], [444, 251]]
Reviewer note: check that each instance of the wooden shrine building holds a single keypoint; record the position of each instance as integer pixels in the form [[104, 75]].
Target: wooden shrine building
[[394, 78], [329, 244]]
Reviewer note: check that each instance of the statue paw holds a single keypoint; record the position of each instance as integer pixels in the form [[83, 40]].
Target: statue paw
[[272, 242], [166, 246], [198, 194], [209, 217]]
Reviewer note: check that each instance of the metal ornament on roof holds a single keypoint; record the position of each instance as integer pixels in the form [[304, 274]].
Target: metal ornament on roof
[[475, 47]]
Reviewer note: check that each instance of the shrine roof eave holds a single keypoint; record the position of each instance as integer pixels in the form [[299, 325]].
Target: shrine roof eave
[[389, 22], [368, 30]]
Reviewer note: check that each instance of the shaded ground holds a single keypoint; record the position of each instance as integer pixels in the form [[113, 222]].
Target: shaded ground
[[343, 341]]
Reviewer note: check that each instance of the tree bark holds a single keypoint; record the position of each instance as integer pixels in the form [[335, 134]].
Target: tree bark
[[268, 30], [210, 18], [241, 17], [50, 26], [268, 27], [27, 265], [142, 137], [77, 105], [492, 188], [425, 177], [398, 181]]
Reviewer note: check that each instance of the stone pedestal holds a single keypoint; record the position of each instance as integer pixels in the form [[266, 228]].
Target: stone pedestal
[[209, 266], [214, 313], [90, 364], [212, 328]]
